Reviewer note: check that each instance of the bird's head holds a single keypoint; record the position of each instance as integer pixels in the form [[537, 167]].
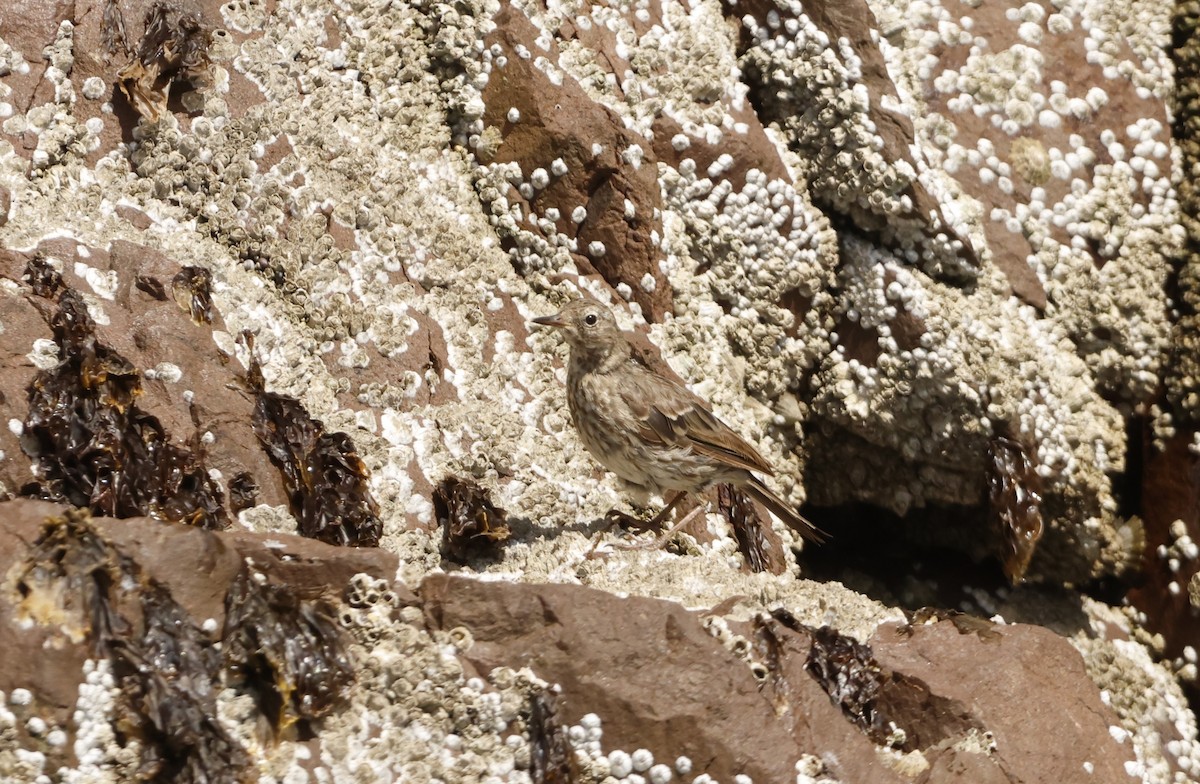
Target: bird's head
[[588, 326]]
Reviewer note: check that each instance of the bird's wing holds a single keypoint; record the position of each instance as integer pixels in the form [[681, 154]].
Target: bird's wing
[[670, 415]]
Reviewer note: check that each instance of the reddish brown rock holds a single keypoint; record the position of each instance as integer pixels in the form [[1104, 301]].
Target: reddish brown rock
[[656, 677], [24, 323], [562, 121], [658, 680], [1009, 681], [148, 328]]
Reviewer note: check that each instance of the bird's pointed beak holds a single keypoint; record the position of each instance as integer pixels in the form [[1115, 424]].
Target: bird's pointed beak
[[550, 321]]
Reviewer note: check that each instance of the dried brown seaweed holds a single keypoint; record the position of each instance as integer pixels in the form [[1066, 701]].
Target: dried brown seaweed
[[170, 680], [42, 278], [471, 523], [964, 623], [92, 445], [891, 708], [325, 479], [550, 755], [243, 492], [166, 668], [761, 549], [846, 670], [174, 48], [192, 289], [288, 651], [112, 30], [1015, 503]]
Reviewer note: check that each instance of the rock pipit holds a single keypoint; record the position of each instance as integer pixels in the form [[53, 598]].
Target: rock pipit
[[649, 430]]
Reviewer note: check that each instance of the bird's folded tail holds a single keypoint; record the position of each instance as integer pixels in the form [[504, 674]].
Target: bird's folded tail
[[783, 510]]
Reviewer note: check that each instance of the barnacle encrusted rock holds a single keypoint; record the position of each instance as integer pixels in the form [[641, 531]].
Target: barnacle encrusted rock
[[883, 238], [1183, 373], [578, 179], [820, 77]]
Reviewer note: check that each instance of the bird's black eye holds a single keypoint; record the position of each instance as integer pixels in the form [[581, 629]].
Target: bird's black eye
[[591, 319]]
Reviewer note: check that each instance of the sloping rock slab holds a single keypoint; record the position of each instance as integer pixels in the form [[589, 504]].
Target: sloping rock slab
[[659, 680]]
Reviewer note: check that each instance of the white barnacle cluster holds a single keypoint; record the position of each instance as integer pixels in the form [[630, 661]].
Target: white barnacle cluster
[[986, 355], [911, 387], [757, 243], [61, 136], [1143, 31], [537, 243], [94, 713], [1180, 555], [626, 767], [824, 113], [1096, 205], [22, 763], [11, 61], [1166, 750], [530, 222], [98, 754], [415, 715], [672, 59], [1087, 186], [458, 46]]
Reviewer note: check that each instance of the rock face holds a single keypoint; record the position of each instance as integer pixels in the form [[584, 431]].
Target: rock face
[[266, 269], [640, 684]]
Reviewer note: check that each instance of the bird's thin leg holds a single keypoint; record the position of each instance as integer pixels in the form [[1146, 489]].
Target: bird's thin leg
[[658, 519], [654, 522], [659, 541]]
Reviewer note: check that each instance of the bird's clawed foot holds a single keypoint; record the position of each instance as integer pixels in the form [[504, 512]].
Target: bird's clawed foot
[[618, 519], [615, 518], [664, 537]]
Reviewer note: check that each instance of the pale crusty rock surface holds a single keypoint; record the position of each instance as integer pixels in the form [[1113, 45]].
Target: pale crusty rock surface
[[874, 235]]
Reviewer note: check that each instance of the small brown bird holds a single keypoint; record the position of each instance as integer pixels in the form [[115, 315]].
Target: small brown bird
[[649, 430]]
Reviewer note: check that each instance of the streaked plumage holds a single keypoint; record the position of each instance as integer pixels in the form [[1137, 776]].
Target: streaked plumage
[[647, 429]]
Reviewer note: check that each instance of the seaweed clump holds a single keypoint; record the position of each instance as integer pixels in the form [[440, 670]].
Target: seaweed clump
[[550, 754], [174, 48], [1015, 503], [41, 277], [289, 652], [91, 444], [192, 288], [470, 522], [757, 543], [325, 479], [164, 666], [889, 707], [846, 670]]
